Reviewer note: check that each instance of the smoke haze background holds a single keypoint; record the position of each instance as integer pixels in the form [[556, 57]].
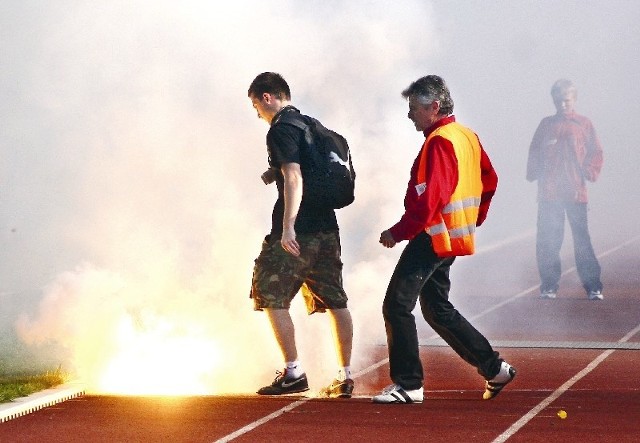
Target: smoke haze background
[[130, 198]]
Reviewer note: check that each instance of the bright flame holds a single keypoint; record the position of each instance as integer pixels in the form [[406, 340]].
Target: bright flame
[[155, 357]]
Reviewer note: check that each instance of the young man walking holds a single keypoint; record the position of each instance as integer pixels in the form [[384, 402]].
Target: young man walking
[[302, 251]]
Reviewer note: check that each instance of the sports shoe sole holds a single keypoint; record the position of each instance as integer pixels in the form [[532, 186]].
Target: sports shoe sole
[[263, 391], [328, 394], [398, 396], [278, 387], [491, 390], [339, 390]]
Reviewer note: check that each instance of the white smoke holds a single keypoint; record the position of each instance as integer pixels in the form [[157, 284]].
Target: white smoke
[[131, 156], [149, 153]]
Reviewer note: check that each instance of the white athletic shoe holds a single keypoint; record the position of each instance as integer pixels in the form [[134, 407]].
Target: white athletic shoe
[[395, 394], [495, 385], [595, 295], [549, 294]]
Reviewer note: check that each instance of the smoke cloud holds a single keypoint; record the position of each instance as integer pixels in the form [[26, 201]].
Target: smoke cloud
[[131, 207]]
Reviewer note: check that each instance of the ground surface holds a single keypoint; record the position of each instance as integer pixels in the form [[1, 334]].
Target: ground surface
[[572, 354]]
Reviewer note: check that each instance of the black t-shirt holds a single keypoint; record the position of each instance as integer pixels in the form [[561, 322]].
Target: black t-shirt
[[286, 144]]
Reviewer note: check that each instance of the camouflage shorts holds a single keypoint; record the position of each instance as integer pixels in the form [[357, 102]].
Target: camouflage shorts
[[278, 275]]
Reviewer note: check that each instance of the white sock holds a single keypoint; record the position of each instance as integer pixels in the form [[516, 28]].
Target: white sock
[[344, 373], [294, 369]]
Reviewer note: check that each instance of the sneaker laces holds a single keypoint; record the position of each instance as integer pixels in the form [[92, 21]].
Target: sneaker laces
[[390, 388], [279, 375]]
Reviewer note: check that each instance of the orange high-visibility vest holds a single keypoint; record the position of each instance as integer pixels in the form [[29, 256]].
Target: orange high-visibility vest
[[452, 231]]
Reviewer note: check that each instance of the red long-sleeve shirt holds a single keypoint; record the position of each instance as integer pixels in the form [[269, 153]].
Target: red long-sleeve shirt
[[565, 151], [442, 179]]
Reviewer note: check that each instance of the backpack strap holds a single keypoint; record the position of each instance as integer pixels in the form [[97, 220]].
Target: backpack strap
[[298, 123], [310, 147], [293, 118], [288, 113], [297, 120]]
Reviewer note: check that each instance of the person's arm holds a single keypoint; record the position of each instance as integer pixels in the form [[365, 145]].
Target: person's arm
[[441, 181], [534, 162], [292, 198], [593, 161], [489, 185]]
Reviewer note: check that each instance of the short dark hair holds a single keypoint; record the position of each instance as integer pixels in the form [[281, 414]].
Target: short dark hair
[[271, 83], [563, 86], [431, 88]]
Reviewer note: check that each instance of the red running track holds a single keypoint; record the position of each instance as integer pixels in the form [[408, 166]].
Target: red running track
[[583, 358]]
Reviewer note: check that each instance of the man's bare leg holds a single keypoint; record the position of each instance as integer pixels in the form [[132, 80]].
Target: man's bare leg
[[284, 332], [342, 329]]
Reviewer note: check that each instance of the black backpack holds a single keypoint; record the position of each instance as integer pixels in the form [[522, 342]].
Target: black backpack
[[330, 181]]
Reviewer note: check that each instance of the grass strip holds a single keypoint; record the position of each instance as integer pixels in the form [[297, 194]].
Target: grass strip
[[23, 385]]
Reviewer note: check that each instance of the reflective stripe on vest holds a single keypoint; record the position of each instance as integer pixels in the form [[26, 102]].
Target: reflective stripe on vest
[[452, 231]]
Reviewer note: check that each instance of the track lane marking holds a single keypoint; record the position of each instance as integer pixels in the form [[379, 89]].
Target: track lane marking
[[533, 288], [263, 420], [374, 366], [515, 427], [561, 390]]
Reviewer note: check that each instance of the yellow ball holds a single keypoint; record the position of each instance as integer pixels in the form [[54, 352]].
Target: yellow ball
[[562, 414]]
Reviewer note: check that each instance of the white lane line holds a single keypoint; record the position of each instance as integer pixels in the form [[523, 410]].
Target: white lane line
[[491, 247], [534, 288], [384, 361], [263, 420], [561, 390], [504, 302], [548, 344], [373, 367], [505, 242]]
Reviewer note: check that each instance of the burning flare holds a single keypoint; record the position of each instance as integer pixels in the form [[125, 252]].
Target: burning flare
[[154, 356]]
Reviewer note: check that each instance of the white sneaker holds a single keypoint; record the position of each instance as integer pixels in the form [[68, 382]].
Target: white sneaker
[[595, 295], [495, 385], [396, 394], [549, 293]]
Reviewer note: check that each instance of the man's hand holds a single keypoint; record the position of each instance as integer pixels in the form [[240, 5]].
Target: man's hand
[[289, 242], [386, 239], [268, 176]]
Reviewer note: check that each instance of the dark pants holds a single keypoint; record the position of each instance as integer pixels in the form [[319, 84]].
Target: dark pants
[[549, 241], [420, 273]]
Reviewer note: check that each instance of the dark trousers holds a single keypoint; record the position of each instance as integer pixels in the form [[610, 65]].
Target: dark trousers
[[420, 273], [549, 241]]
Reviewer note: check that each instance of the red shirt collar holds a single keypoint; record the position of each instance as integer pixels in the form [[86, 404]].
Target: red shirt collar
[[443, 121]]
